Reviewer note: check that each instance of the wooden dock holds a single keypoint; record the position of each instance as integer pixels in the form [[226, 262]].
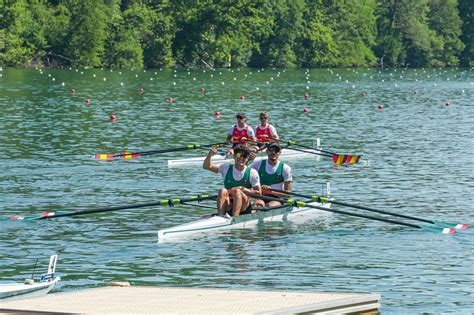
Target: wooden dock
[[153, 300]]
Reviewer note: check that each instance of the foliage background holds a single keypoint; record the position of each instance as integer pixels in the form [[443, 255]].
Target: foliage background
[[236, 33]]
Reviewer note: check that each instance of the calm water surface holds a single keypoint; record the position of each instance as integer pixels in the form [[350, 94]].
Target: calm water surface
[[420, 162]]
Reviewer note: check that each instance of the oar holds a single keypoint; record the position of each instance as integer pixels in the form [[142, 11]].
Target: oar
[[165, 202], [337, 158], [461, 226], [131, 155], [296, 203]]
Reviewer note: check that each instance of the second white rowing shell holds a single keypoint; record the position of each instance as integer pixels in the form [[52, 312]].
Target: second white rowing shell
[[286, 154]]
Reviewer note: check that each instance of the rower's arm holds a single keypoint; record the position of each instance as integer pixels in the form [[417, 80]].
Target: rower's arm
[[207, 164]]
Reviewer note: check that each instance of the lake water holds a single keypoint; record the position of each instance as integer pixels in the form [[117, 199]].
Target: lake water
[[420, 162]]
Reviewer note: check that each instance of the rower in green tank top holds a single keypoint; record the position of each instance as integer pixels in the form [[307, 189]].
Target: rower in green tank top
[[239, 180], [273, 174]]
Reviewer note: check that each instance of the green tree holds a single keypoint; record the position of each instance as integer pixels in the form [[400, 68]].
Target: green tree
[[445, 21], [466, 12], [22, 36], [316, 46], [87, 32], [354, 29], [278, 50]]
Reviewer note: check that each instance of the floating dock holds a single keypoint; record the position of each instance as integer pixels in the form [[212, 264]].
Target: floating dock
[[153, 300]]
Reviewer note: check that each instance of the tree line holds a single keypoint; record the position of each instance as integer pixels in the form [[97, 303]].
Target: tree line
[[236, 33]]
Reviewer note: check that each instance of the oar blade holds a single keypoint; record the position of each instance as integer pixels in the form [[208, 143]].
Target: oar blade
[[104, 156], [435, 229], [340, 159], [352, 159], [129, 155], [460, 226]]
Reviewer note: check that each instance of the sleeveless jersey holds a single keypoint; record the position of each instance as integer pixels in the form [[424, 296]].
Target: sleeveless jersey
[[263, 135], [237, 134], [270, 179], [230, 182]]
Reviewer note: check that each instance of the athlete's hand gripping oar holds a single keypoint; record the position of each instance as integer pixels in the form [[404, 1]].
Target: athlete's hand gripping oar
[[296, 203], [165, 202], [462, 226], [131, 155], [337, 158]]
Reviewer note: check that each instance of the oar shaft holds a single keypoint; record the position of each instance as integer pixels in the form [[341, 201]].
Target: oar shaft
[[306, 146], [165, 202], [151, 152], [296, 203], [315, 151], [359, 207]]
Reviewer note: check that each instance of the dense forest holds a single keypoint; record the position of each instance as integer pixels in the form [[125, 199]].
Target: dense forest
[[236, 33]]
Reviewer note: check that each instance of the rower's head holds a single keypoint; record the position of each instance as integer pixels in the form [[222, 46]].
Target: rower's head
[[263, 117], [241, 118], [273, 150], [241, 152]]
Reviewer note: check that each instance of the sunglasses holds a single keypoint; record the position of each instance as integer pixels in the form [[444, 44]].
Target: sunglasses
[[240, 117], [273, 149], [263, 117], [241, 154]]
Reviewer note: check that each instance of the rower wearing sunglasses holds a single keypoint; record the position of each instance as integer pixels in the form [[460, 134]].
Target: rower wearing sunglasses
[[240, 132], [239, 180], [273, 174], [264, 131]]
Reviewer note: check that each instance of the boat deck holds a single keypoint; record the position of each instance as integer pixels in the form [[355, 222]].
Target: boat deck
[[153, 300]]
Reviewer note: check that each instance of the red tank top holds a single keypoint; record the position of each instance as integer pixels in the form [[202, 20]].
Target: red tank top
[[263, 135], [237, 134]]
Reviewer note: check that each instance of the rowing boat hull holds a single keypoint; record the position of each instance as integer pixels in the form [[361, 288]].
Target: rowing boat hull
[[15, 291], [286, 154], [215, 223]]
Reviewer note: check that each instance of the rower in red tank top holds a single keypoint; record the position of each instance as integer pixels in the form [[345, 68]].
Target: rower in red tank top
[[240, 132], [264, 131]]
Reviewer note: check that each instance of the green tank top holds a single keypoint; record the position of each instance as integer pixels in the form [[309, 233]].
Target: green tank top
[[270, 179], [230, 182]]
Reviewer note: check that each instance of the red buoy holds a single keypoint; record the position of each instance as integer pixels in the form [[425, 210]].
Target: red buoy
[[113, 117], [306, 110], [141, 90], [203, 90], [363, 93], [73, 90], [87, 101], [170, 100], [306, 95], [380, 107], [242, 97], [217, 114], [447, 103]]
